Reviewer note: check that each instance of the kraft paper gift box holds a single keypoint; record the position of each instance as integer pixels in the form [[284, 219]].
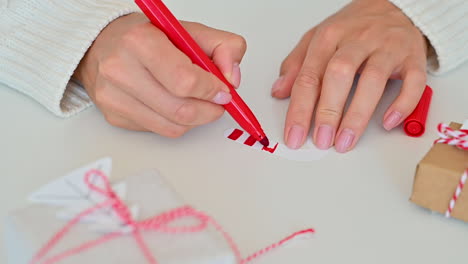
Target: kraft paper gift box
[[437, 178], [28, 229]]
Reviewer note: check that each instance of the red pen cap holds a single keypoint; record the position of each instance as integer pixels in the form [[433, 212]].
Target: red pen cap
[[415, 124]]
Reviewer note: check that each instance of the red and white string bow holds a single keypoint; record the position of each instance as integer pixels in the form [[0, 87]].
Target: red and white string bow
[[449, 136], [458, 138]]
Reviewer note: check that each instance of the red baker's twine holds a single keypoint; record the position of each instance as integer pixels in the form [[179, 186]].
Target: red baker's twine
[[157, 223], [457, 194], [458, 138]]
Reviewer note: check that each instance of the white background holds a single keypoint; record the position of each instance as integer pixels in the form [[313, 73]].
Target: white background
[[357, 202]]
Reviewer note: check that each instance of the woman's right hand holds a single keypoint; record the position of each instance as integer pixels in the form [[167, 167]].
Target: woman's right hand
[[141, 81]]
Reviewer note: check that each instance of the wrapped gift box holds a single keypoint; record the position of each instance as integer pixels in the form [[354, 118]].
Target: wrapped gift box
[[27, 230], [438, 176]]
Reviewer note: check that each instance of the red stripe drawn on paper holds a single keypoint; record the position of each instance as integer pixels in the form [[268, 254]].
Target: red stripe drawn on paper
[[250, 141]]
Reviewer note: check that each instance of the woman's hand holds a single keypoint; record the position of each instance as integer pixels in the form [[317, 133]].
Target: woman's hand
[[141, 81], [372, 37]]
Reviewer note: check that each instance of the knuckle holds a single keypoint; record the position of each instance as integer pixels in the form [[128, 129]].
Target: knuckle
[[186, 81], [186, 114], [419, 75], [328, 32], [363, 35], [104, 99], [357, 118], [299, 113], [308, 78], [375, 72], [329, 113], [134, 36], [240, 42], [340, 67], [109, 68], [308, 35], [396, 35], [101, 97]]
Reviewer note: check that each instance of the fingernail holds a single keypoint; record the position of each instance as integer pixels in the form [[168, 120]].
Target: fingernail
[[345, 140], [392, 120], [277, 85], [236, 75], [324, 137], [295, 137], [222, 98]]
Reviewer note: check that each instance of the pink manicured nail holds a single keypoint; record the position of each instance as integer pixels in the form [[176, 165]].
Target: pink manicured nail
[[295, 137], [324, 137], [222, 98], [392, 120], [345, 140], [236, 75], [277, 85]]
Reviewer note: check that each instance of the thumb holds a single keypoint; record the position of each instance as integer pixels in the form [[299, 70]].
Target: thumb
[[226, 49]]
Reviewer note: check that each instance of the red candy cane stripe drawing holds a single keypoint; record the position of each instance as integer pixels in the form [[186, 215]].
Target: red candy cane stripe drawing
[[275, 148], [239, 136]]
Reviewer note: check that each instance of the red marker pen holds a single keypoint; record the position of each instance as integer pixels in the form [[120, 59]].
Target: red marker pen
[[162, 18]]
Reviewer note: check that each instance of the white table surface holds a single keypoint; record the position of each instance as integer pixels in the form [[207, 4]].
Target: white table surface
[[357, 202]]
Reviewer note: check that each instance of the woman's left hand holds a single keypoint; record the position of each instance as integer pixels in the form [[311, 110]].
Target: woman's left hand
[[373, 37]]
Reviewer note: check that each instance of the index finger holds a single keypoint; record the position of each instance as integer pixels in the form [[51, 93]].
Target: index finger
[[306, 88], [174, 70], [225, 48]]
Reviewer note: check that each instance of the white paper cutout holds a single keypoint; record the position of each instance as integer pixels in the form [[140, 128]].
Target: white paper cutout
[[71, 188], [72, 196], [307, 153], [465, 124]]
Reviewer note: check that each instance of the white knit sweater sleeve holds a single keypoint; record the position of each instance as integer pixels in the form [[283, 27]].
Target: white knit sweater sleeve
[[445, 24], [43, 41]]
